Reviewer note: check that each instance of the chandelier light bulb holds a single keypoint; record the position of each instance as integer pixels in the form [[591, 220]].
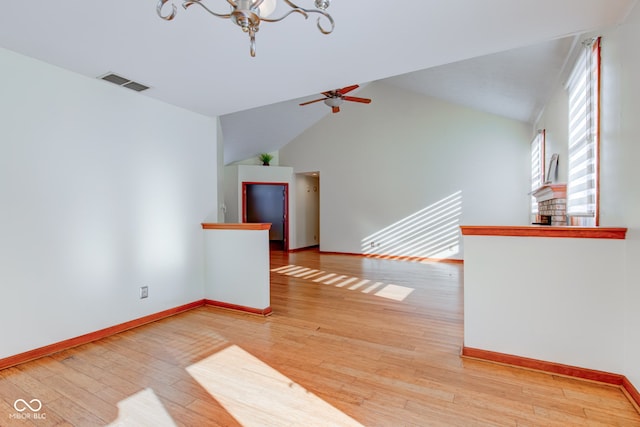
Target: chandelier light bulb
[[266, 8]]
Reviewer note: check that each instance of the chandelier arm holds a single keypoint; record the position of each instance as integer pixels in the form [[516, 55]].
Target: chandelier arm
[[171, 15], [186, 4], [329, 18], [304, 11], [252, 43], [300, 11], [292, 5]]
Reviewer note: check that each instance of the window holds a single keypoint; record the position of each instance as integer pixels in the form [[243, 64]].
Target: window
[[537, 170], [584, 94]]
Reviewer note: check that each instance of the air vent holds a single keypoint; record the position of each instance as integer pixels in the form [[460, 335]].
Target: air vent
[[124, 82]]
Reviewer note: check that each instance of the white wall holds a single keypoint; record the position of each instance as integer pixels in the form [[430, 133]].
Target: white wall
[[232, 199], [621, 177], [555, 121], [102, 191], [619, 171], [525, 296], [220, 176], [402, 155], [237, 267]]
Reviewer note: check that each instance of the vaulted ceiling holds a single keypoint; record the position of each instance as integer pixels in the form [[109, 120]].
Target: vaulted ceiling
[[498, 55]]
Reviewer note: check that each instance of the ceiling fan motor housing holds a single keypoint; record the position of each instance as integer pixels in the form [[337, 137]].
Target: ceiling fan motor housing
[[333, 101]]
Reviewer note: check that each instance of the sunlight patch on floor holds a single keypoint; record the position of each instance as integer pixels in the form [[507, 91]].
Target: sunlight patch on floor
[[370, 288], [388, 291], [326, 276], [310, 274], [257, 395], [346, 282], [297, 271], [285, 268], [301, 272], [142, 409], [394, 292], [334, 280], [359, 284]]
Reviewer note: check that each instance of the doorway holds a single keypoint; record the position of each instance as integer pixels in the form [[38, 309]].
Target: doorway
[[267, 202], [307, 214]]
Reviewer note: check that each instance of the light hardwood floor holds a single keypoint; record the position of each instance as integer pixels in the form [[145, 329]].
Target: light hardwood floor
[[351, 341]]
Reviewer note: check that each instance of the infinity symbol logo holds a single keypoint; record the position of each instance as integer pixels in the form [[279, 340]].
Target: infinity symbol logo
[[21, 405]]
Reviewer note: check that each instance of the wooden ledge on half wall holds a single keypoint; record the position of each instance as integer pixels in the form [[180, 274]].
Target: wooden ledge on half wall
[[545, 231], [236, 226]]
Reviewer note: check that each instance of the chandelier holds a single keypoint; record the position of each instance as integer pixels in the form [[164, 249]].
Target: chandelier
[[247, 14]]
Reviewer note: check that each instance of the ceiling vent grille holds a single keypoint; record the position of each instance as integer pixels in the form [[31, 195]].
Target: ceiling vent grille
[[124, 82]]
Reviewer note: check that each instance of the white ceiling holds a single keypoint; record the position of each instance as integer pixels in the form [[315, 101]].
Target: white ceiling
[[202, 63], [515, 83]]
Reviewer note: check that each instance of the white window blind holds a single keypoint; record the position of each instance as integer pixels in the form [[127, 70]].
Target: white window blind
[[584, 92], [537, 168]]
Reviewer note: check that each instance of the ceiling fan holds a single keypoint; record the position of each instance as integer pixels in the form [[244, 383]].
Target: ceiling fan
[[334, 98]]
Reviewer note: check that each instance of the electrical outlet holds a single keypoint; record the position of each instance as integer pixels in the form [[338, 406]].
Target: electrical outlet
[[144, 292]]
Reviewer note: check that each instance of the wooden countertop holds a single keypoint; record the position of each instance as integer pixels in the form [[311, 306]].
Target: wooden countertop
[[236, 226], [545, 231]]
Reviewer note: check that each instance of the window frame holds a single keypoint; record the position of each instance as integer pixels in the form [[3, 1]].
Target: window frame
[[583, 152]]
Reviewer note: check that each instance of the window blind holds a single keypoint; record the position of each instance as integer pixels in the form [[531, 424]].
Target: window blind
[[584, 92], [537, 168]]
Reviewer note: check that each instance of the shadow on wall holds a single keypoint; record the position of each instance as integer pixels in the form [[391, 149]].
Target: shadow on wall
[[432, 232]]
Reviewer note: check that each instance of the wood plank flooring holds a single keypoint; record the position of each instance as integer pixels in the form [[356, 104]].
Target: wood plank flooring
[[351, 341]]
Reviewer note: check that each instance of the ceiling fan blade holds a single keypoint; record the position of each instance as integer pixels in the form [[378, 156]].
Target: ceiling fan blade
[[330, 93], [355, 99], [311, 102], [335, 109], [347, 89]]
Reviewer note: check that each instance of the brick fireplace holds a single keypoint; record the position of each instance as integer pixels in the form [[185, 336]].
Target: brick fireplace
[[552, 204]]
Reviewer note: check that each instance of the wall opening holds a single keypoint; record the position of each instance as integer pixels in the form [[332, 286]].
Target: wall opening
[[267, 202]]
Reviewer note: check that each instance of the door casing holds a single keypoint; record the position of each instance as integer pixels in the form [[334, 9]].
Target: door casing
[[285, 186]]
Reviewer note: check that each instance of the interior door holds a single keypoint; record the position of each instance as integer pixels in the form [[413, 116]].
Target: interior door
[[267, 203]]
